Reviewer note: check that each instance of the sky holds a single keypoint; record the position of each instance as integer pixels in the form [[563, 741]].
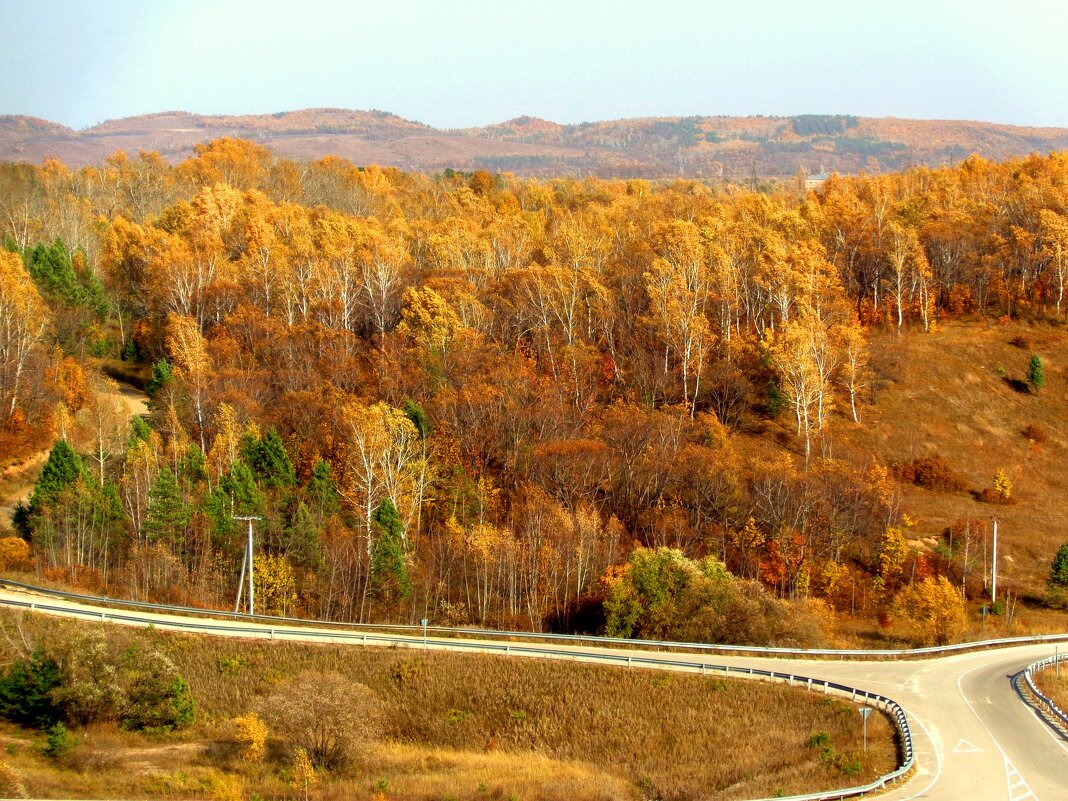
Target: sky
[[465, 63]]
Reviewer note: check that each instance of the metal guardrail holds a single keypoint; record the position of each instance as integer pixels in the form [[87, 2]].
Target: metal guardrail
[[1042, 699], [891, 707], [843, 653]]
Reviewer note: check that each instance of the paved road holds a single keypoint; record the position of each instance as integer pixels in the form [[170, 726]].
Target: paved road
[[975, 740]]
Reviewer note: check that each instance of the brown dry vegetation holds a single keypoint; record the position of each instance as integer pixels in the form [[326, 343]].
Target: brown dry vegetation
[[957, 394], [1053, 686], [471, 726]]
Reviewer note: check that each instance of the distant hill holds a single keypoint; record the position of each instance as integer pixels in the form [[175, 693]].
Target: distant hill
[[708, 147]]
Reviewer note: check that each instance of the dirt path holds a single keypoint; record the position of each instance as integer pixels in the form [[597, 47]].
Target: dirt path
[[17, 480]]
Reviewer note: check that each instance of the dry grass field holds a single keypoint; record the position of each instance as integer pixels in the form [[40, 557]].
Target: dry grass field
[[961, 393], [1053, 686], [469, 727]]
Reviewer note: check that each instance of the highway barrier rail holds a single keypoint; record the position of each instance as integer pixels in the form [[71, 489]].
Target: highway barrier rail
[[1046, 704], [275, 632], [591, 639]]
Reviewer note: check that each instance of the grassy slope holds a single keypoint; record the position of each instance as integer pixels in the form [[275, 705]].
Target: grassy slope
[[532, 729], [1053, 686], [952, 399]]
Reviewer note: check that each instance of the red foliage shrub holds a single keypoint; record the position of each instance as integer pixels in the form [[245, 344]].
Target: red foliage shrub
[[931, 472], [1035, 433]]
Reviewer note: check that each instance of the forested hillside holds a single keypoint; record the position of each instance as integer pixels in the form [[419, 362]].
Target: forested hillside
[[571, 404], [714, 148]]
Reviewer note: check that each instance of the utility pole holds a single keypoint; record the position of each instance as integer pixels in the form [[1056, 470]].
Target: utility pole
[[994, 567], [247, 560]]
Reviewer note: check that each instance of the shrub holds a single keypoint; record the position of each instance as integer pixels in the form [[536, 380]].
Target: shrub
[[26, 692], [304, 778], [819, 740], [662, 595], [1001, 492], [931, 472], [333, 719], [251, 736], [10, 785], [1035, 433], [14, 553], [1058, 571], [58, 741], [157, 698], [1056, 598], [227, 788], [1036, 374], [91, 689], [774, 400]]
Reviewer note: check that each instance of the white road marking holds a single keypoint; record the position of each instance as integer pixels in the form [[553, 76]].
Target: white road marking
[[964, 747], [1018, 789], [937, 753]]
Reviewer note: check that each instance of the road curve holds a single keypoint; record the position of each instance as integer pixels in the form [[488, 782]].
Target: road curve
[[974, 738]]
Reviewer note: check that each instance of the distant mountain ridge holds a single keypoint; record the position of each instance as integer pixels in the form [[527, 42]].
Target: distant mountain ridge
[[650, 147]]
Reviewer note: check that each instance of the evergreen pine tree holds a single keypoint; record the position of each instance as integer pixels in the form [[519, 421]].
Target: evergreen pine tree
[[1058, 572], [194, 466], [162, 374], [168, 514], [1036, 375], [240, 486], [62, 470], [302, 538], [270, 462], [139, 431], [50, 267], [414, 412], [320, 491], [387, 554]]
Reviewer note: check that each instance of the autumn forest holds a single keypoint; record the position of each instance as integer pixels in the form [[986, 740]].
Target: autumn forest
[[570, 404]]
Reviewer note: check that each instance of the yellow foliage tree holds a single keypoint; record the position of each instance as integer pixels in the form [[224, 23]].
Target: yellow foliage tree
[[14, 553], [251, 736], [192, 363], [935, 609], [1002, 486], [23, 319], [275, 584], [892, 555], [304, 778]]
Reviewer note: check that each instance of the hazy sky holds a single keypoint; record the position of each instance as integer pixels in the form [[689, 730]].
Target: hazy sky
[[461, 63]]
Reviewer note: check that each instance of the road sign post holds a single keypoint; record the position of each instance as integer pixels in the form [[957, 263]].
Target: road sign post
[[424, 621], [864, 712]]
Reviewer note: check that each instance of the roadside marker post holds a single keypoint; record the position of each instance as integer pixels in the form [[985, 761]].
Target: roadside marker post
[[424, 621]]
